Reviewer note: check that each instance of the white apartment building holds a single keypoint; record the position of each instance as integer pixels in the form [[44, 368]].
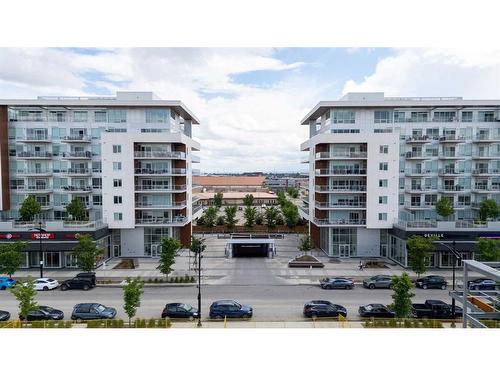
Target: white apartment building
[[378, 165], [129, 158]]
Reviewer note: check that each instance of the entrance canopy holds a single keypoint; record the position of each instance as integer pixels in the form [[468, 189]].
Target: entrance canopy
[[250, 247]]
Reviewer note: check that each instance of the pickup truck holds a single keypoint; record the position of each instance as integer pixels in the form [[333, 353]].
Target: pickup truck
[[434, 309]]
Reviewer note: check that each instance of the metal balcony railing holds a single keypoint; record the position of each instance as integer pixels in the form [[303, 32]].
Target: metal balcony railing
[[485, 171], [341, 154], [78, 171], [76, 188], [34, 154], [77, 154], [333, 188], [160, 154], [181, 171], [161, 187], [340, 204], [36, 137], [161, 220], [173, 205], [34, 171]]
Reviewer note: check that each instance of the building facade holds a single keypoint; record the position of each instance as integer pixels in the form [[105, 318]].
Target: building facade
[[128, 158], [378, 165]]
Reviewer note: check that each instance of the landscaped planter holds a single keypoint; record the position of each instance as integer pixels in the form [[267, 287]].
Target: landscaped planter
[[305, 261]]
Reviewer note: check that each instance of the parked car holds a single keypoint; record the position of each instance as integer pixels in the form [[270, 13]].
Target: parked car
[[46, 284], [6, 282], [76, 283], [483, 284], [375, 310], [230, 309], [379, 281], [45, 313], [431, 281], [434, 309], [4, 316], [89, 311], [319, 308], [179, 310], [336, 283], [90, 276]]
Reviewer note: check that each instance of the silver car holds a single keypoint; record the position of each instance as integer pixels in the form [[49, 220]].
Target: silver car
[[379, 281]]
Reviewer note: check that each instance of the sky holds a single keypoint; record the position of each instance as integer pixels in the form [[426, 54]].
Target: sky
[[250, 100]]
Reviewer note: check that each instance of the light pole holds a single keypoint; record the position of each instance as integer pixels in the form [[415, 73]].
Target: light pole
[[40, 251], [199, 286], [456, 256]]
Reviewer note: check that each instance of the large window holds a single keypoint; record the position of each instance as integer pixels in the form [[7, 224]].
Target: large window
[[342, 237], [157, 115], [80, 116], [117, 115], [467, 116], [383, 117], [101, 116], [419, 116], [344, 117], [152, 239], [486, 116], [444, 116]]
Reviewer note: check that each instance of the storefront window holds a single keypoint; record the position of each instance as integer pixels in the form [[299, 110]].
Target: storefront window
[[52, 259], [70, 260]]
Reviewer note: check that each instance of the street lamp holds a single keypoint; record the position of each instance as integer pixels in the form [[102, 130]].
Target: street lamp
[[456, 256], [198, 247], [40, 252]]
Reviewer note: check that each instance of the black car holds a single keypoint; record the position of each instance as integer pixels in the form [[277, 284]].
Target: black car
[[336, 283], [375, 310], [180, 311], [45, 313], [89, 311], [76, 283], [4, 316], [431, 281], [318, 308], [483, 284], [88, 275], [229, 309]]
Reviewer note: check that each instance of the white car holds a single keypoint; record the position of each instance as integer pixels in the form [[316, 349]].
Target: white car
[[46, 284]]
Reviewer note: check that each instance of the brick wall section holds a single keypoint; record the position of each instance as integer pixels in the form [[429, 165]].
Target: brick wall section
[[185, 236], [315, 236]]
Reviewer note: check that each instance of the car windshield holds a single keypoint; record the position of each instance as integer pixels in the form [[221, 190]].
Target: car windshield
[[50, 280], [101, 308], [47, 308], [186, 307]]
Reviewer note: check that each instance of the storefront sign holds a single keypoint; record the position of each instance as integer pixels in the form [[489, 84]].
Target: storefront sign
[[9, 236], [72, 235], [43, 236], [438, 235]]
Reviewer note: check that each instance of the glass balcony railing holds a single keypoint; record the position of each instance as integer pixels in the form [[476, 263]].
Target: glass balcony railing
[[160, 154], [76, 138], [341, 171], [77, 154], [346, 222], [172, 205], [161, 187], [166, 171], [334, 188], [341, 204], [34, 154], [161, 220], [341, 154]]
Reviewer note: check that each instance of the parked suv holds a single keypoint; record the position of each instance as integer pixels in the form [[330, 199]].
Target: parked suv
[[89, 311], [76, 283], [88, 275], [179, 310], [483, 284], [379, 281], [230, 309], [323, 309], [6, 282], [431, 281]]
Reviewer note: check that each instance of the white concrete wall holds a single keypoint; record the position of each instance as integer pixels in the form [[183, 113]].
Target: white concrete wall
[[368, 242], [132, 242]]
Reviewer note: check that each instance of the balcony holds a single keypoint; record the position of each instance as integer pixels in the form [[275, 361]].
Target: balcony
[[77, 189], [485, 155], [418, 139], [415, 155], [34, 155], [485, 171], [34, 172], [453, 189], [418, 224], [418, 172], [77, 172], [340, 205], [160, 155], [341, 155], [419, 205], [448, 172], [340, 189], [168, 206], [77, 155], [165, 172], [419, 189], [195, 159], [35, 138], [339, 222], [33, 188], [451, 155], [160, 188], [304, 159], [160, 221], [484, 138], [451, 138], [76, 138], [340, 172]]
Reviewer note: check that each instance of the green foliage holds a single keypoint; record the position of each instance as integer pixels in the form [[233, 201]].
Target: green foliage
[[402, 296], [306, 244], [169, 249], [248, 200], [271, 217], [488, 250], [259, 218], [211, 217], [86, 252], [200, 220], [105, 323], [250, 214], [132, 292], [293, 192], [488, 209], [218, 199], [402, 323], [230, 216], [281, 198], [419, 251], [25, 294], [76, 209], [280, 220], [197, 245], [11, 257], [444, 207], [291, 213], [29, 208], [221, 220]]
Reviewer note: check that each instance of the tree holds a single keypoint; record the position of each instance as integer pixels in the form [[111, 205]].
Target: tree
[[248, 200], [444, 207], [402, 296], [210, 216], [197, 246], [281, 198], [132, 292], [280, 220], [169, 249], [488, 209], [76, 209], [271, 217], [419, 250], [291, 213], [230, 213], [306, 244], [218, 199], [488, 250], [221, 220], [86, 252], [259, 218], [25, 294], [293, 192], [249, 214], [11, 257], [29, 208]]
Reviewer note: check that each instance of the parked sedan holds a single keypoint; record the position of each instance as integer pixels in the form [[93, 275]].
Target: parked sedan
[[336, 283], [375, 310], [379, 281], [46, 284], [230, 309], [4, 316], [45, 313], [323, 309], [89, 311], [431, 281], [76, 283], [180, 311], [483, 284], [6, 282]]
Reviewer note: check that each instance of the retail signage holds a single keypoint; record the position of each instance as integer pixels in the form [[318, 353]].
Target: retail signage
[[9, 236], [72, 235], [43, 236]]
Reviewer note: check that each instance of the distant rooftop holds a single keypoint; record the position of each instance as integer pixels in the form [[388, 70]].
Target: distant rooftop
[[229, 180]]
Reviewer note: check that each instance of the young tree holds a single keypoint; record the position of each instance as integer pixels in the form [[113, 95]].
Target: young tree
[[248, 200], [210, 217], [293, 192], [280, 220], [221, 220], [291, 213], [444, 207], [259, 218], [86, 252], [306, 244], [169, 249], [281, 198], [29, 208], [488, 209], [76, 209], [230, 213], [249, 214], [419, 251], [11, 257], [25, 294], [218, 199], [197, 246], [132, 292], [271, 217], [402, 296], [488, 250]]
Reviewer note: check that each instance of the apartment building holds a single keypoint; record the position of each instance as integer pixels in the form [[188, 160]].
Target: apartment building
[[378, 165], [128, 158]]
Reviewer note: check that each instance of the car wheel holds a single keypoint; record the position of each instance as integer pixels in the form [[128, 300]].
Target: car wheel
[[245, 316], [64, 287], [443, 287], [191, 318], [218, 317], [424, 286], [86, 287], [372, 286], [45, 288]]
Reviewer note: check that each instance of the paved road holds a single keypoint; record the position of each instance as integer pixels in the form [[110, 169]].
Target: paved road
[[270, 302]]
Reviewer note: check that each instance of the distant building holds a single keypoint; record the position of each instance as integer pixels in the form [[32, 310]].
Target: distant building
[[235, 198], [230, 183], [275, 183]]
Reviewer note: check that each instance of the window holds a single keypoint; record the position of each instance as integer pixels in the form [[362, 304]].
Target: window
[[157, 116], [486, 116], [97, 200], [383, 117], [100, 116], [399, 117], [80, 116], [384, 149], [343, 117], [345, 131], [444, 116], [382, 216], [118, 216], [116, 130], [382, 183], [387, 130], [383, 166], [117, 182], [419, 117], [117, 199], [152, 130], [117, 149], [117, 115], [382, 199], [467, 116], [57, 116], [117, 166]]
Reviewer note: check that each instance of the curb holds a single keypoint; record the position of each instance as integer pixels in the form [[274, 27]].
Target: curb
[[158, 285]]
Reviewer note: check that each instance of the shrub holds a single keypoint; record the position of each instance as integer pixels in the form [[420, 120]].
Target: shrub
[[151, 323]]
